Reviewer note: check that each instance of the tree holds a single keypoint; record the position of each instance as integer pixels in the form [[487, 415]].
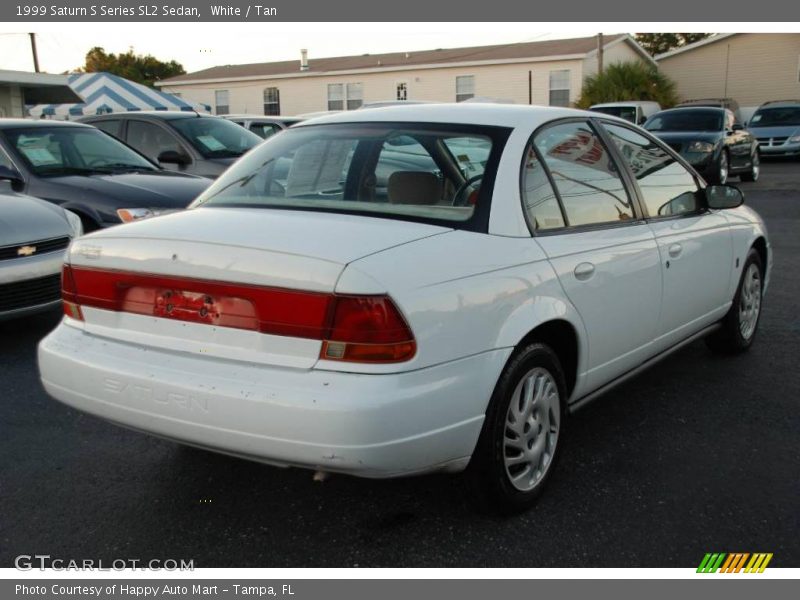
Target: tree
[[628, 81], [658, 43], [145, 69]]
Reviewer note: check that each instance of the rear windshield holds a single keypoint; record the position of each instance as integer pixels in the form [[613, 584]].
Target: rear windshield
[[776, 117], [430, 173], [215, 137], [686, 120], [623, 112]]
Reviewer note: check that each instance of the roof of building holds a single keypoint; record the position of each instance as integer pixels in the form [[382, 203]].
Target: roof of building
[[542, 50], [704, 42]]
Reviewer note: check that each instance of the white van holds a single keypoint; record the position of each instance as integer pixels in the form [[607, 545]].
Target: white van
[[635, 111]]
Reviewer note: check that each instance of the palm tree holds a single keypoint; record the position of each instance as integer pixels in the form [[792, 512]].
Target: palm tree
[[628, 81]]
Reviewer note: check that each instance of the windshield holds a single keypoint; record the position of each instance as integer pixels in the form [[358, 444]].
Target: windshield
[[52, 151], [776, 117], [416, 172], [623, 112], [686, 120], [216, 138]]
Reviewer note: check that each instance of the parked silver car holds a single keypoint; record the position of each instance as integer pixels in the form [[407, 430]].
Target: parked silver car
[[776, 126], [33, 237]]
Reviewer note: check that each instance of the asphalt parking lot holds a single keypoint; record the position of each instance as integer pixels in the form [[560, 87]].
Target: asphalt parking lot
[[701, 454]]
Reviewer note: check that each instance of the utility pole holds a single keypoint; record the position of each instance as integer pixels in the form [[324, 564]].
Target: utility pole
[[599, 53], [35, 55]]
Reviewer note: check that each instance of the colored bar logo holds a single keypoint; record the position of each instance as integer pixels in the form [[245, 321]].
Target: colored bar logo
[[721, 562]]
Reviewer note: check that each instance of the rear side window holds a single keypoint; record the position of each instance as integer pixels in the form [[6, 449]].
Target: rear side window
[[420, 172], [585, 175], [667, 187], [538, 197]]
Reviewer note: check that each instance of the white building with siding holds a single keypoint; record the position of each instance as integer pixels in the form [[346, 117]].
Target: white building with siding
[[751, 68], [545, 73]]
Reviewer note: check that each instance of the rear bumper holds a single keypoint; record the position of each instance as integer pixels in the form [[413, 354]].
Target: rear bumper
[[367, 425]]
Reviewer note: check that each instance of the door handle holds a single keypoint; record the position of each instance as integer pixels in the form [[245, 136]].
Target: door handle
[[675, 250], [584, 271]]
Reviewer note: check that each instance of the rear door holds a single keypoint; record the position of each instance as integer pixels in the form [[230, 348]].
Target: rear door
[[586, 220], [694, 244]]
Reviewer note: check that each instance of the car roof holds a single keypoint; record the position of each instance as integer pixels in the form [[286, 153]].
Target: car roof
[[5, 123], [499, 115], [625, 103], [158, 114], [261, 117], [693, 109], [779, 104]]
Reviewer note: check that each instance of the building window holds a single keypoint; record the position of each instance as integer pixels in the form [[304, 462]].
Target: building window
[[343, 96], [335, 96], [272, 101], [559, 88], [355, 95], [222, 102], [402, 91], [465, 87]]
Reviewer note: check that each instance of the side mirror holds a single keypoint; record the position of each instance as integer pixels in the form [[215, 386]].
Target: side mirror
[[723, 196], [173, 157], [642, 120], [11, 175], [738, 126]]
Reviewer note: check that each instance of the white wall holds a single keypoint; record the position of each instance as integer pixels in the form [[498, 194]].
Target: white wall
[[304, 94]]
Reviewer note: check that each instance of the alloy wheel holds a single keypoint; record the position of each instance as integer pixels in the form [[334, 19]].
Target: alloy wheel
[[532, 429], [750, 301]]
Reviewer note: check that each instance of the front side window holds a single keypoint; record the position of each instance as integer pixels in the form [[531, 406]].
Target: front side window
[[215, 138], [114, 127], [465, 87], [272, 101], [667, 187], [51, 151], [559, 87], [222, 103], [417, 172], [585, 174], [151, 140]]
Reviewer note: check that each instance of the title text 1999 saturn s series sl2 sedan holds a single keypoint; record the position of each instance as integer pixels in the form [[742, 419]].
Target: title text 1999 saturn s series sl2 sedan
[[409, 289]]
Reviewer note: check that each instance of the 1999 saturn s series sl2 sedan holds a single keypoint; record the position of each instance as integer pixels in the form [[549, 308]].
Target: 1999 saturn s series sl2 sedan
[[409, 289]]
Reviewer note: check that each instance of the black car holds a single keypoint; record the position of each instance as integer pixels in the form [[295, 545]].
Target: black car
[[711, 140], [89, 172], [186, 142]]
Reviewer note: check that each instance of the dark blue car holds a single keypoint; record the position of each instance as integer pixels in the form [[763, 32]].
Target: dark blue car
[[89, 172]]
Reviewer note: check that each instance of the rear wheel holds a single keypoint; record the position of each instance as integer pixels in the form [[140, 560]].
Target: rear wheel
[[755, 169], [740, 324], [522, 433]]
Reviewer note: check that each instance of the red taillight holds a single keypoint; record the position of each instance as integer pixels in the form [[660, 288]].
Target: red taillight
[[68, 294], [367, 329], [352, 328]]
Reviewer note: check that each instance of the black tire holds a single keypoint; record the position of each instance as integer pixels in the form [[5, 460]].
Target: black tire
[[488, 479], [755, 169], [89, 224], [718, 176], [730, 339]]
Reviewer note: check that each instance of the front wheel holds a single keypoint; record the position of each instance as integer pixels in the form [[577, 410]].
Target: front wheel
[[723, 168], [522, 433], [738, 328], [755, 169]]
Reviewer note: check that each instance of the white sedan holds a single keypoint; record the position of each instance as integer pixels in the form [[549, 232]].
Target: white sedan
[[409, 289]]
